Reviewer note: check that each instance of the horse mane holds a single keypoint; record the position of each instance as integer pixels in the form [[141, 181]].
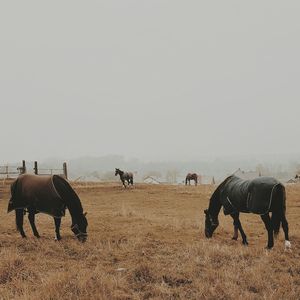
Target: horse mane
[[68, 195], [214, 202]]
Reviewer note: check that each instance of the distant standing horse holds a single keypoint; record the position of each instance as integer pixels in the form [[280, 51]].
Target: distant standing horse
[[50, 195], [128, 176], [191, 176], [258, 196]]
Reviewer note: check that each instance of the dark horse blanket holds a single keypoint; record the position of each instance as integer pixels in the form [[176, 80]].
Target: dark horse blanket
[[38, 192], [247, 196]]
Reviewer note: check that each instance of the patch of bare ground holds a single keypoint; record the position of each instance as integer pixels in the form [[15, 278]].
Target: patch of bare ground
[[147, 242]]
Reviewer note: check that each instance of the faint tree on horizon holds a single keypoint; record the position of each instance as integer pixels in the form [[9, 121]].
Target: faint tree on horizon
[[171, 176]]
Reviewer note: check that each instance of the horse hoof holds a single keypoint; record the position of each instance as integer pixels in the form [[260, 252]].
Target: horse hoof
[[287, 244], [38, 236], [57, 239], [245, 243], [235, 238], [269, 248]]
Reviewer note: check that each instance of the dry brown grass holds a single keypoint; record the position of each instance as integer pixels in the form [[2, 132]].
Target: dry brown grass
[[148, 243]]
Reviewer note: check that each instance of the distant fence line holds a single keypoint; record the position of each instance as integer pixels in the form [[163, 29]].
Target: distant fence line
[[8, 171], [63, 172]]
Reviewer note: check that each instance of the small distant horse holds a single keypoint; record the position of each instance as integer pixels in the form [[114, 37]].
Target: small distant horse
[[191, 176], [50, 195], [258, 196], [125, 176]]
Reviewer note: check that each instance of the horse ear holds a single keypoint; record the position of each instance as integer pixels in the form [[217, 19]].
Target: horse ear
[[206, 211], [85, 213]]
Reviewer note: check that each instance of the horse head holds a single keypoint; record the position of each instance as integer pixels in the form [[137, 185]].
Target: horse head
[[118, 172], [211, 223], [79, 228]]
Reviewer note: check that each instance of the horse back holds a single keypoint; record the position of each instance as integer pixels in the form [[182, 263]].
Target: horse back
[[256, 196], [128, 175], [191, 176], [39, 192]]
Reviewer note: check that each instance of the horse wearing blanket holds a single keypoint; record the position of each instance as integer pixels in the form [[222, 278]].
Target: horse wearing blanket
[[259, 196], [50, 195]]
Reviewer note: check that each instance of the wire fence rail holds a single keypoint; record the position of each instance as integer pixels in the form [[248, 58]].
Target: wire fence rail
[[13, 171], [49, 171]]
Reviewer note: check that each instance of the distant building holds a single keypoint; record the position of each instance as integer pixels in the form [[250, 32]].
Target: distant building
[[151, 180], [294, 180]]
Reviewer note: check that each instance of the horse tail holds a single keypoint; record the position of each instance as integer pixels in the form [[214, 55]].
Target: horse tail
[[19, 212], [279, 208], [19, 218], [13, 191], [13, 188], [276, 221]]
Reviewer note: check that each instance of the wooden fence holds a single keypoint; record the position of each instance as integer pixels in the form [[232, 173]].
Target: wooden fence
[[8, 171], [48, 171]]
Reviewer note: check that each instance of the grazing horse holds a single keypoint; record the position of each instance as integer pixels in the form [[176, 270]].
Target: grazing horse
[[191, 176], [259, 196], [128, 176], [50, 195]]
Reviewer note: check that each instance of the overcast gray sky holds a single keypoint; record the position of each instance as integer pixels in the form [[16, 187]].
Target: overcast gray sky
[[149, 79]]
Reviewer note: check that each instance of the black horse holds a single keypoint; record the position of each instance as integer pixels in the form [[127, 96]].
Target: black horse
[[259, 196], [50, 195], [128, 176], [191, 176]]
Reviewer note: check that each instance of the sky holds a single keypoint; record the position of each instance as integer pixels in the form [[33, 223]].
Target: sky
[[155, 80]]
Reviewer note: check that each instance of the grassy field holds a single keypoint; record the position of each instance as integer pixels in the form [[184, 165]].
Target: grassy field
[[148, 243]]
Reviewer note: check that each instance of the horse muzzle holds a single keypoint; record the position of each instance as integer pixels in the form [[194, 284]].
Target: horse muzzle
[[82, 237], [208, 234]]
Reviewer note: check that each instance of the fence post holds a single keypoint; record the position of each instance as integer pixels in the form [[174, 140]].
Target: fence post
[[23, 171], [36, 171], [65, 170]]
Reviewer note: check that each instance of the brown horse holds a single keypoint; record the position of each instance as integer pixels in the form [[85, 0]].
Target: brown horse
[[50, 195], [191, 176]]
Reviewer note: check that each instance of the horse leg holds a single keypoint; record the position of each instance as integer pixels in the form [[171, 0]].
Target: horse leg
[[285, 227], [268, 224], [31, 218], [57, 222], [237, 225], [123, 181], [196, 181], [235, 232], [19, 221]]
